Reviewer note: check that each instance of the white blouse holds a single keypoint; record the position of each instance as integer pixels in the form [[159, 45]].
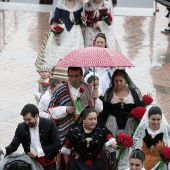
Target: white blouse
[[154, 133], [128, 99]]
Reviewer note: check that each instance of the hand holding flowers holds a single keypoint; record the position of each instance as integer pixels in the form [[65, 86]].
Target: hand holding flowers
[[138, 112], [44, 86], [57, 30], [124, 141], [165, 158], [147, 99], [107, 18]]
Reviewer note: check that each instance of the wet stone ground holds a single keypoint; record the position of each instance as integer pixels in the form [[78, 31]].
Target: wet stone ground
[[22, 33]]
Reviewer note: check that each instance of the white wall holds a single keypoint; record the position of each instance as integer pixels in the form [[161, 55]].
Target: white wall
[[135, 3], [135, 7]]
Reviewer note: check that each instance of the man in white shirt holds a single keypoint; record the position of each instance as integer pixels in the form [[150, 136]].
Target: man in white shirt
[[62, 106], [38, 136]]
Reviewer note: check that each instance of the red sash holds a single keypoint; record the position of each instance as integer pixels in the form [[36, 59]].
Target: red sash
[[43, 161]]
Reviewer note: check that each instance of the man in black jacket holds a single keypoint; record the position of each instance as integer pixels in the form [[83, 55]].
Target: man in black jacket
[[38, 136]]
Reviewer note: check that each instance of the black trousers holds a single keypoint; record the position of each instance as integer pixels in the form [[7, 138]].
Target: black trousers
[[50, 167]]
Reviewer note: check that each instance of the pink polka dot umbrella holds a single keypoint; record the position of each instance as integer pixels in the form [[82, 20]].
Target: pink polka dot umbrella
[[94, 57]]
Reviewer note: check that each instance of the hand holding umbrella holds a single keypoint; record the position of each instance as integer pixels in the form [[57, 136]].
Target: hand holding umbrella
[[94, 57], [95, 95]]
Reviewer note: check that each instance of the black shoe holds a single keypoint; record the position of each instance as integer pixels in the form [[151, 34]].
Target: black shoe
[[166, 31]]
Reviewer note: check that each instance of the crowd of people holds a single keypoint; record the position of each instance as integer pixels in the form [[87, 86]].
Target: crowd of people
[[75, 123]]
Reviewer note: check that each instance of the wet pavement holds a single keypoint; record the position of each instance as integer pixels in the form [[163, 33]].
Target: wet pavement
[[22, 33]]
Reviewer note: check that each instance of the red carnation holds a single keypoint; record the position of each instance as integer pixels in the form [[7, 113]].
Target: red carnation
[[81, 90], [57, 30], [109, 17], [147, 99], [46, 84], [120, 138], [138, 112], [124, 140]]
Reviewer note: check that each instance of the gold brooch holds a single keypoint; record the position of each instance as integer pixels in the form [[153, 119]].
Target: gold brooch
[[121, 100], [88, 140]]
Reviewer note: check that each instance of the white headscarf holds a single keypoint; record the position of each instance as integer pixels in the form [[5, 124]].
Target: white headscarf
[[61, 5], [140, 131]]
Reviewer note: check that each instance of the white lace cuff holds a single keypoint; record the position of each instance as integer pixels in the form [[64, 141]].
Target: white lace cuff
[[108, 143], [65, 151]]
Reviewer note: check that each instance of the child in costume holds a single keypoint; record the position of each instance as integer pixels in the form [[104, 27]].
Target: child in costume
[[46, 97], [43, 83]]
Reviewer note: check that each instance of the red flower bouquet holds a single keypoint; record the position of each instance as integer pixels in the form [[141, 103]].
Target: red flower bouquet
[[165, 158], [137, 113], [124, 141], [165, 153], [107, 18], [147, 99], [81, 90], [46, 84], [57, 30]]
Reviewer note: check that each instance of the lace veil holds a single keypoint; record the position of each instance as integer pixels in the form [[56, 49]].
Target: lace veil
[[130, 84], [140, 131]]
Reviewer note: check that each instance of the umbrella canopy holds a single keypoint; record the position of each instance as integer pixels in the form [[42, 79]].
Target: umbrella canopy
[[94, 57]]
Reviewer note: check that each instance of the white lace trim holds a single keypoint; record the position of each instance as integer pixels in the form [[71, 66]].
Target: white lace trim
[[128, 99], [65, 150], [111, 141], [154, 133]]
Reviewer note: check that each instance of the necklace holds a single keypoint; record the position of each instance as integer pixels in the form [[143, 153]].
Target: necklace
[[121, 100]]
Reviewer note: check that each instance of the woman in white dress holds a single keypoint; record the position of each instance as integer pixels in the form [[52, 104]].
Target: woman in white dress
[[68, 16]]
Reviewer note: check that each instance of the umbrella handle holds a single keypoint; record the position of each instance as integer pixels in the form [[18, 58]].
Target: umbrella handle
[[94, 101]]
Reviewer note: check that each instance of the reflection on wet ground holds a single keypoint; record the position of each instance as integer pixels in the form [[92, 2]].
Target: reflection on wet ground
[[140, 40]]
